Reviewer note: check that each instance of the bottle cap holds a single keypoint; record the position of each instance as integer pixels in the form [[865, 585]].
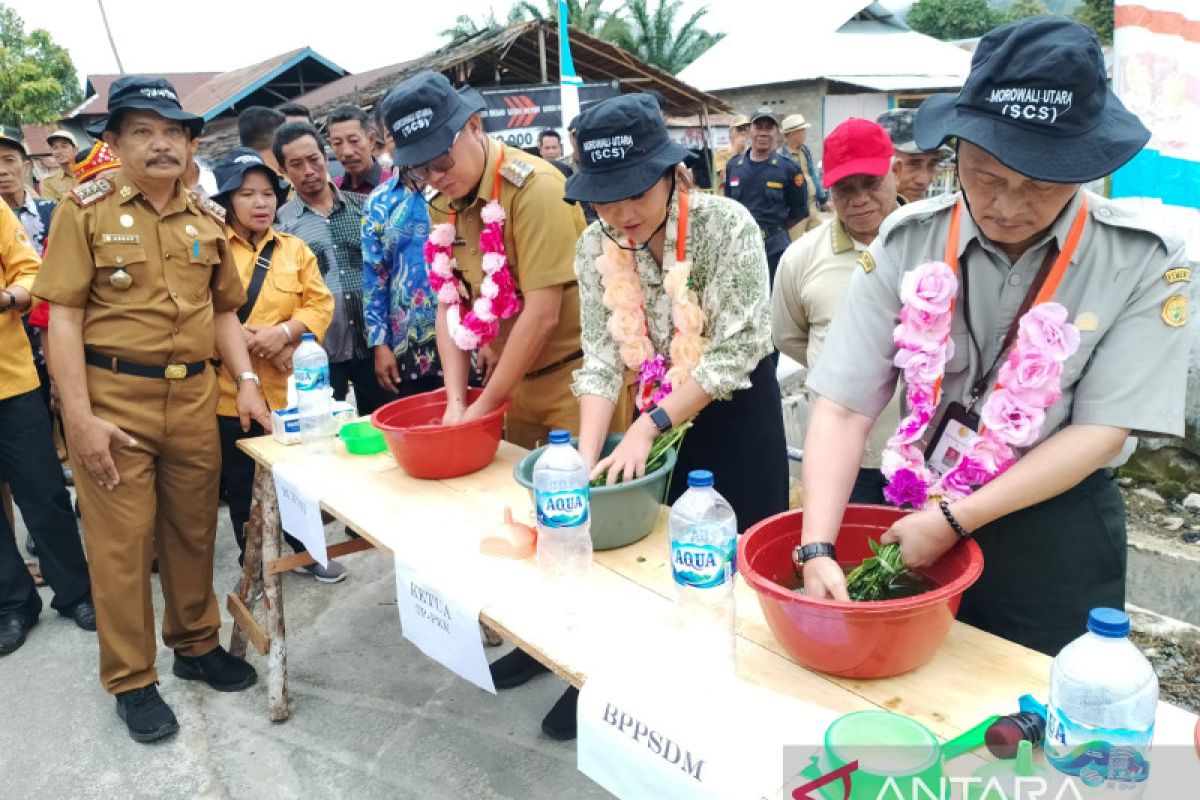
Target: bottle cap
[[700, 478], [308, 337], [560, 437], [1108, 622]]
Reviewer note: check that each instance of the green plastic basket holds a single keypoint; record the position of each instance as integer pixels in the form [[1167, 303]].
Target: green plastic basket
[[362, 438]]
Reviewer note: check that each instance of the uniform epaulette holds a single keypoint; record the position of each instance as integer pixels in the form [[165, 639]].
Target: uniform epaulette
[[516, 172], [85, 194], [1105, 212], [209, 208], [917, 212]]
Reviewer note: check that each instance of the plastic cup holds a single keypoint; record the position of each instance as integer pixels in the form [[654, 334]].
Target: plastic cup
[[891, 751]]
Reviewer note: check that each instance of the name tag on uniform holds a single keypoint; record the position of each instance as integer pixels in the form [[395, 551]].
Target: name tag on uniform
[[954, 437], [119, 238], [774, 185]]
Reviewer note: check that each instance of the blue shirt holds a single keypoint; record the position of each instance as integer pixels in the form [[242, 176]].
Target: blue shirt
[[399, 307]]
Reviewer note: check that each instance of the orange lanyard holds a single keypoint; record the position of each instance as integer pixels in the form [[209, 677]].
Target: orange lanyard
[[681, 228]]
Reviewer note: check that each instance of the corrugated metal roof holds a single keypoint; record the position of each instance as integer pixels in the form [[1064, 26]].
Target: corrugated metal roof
[[223, 91]]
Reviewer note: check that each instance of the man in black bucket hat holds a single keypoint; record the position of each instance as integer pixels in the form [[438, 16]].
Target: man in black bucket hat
[[144, 292], [441, 144], [1034, 120]]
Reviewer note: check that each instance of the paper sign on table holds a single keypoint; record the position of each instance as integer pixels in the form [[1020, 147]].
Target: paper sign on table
[[300, 509], [658, 735], [439, 613]]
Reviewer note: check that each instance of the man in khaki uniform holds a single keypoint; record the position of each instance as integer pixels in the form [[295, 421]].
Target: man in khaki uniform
[[440, 142], [816, 269], [143, 292], [58, 183], [1051, 526], [795, 131]]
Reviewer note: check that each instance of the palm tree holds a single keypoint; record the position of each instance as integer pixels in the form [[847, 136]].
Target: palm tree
[[464, 26], [652, 34], [588, 16]]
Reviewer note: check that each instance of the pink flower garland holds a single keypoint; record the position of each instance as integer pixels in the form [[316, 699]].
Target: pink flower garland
[[1030, 381], [497, 293], [625, 299]]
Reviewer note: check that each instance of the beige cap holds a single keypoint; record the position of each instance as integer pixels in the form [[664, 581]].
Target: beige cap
[[794, 122], [63, 134], [739, 121]]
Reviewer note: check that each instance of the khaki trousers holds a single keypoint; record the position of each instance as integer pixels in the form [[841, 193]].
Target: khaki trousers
[[165, 505], [546, 403]]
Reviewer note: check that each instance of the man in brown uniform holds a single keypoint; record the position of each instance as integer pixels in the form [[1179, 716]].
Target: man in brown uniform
[[440, 142], [55, 185], [143, 292]]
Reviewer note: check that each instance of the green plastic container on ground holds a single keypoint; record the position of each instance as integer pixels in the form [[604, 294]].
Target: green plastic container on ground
[[621, 514], [362, 438]]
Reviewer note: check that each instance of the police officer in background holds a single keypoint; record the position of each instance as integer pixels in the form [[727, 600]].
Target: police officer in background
[[144, 291], [771, 186], [915, 168], [1034, 120]]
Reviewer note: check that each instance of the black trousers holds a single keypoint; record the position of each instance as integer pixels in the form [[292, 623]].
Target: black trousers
[[368, 394], [1046, 566], [29, 464], [868, 487], [237, 479]]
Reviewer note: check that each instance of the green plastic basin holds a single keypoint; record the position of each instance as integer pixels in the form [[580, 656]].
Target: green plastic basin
[[621, 514]]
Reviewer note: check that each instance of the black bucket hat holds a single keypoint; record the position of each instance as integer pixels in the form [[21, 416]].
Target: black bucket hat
[[230, 173], [148, 94], [13, 136], [623, 149], [424, 113], [1038, 100]]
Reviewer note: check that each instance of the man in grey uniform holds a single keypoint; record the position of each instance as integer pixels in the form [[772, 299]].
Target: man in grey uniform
[[1033, 121]]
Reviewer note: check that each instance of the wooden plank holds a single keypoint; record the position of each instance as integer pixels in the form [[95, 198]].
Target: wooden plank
[[244, 619], [277, 694], [295, 560], [251, 569]]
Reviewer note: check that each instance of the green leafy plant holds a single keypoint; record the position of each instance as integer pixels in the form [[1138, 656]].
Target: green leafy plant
[[671, 440], [873, 579]]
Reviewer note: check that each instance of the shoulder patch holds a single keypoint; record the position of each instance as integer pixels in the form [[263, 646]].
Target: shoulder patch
[[799, 179], [209, 208], [516, 172], [1178, 275], [85, 194], [867, 262], [1175, 311]]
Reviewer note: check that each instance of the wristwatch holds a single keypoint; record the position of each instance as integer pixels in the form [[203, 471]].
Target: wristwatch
[[246, 376], [660, 418], [808, 552]]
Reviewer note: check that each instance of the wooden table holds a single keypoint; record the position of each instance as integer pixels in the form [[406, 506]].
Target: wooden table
[[973, 675]]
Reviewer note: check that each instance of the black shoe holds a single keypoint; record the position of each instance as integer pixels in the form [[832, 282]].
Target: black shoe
[[514, 669], [84, 614], [217, 668], [145, 714], [13, 628], [559, 723], [30, 546]]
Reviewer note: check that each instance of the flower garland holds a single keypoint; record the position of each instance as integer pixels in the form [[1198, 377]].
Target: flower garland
[[497, 292], [624, 297], [1029, 382]]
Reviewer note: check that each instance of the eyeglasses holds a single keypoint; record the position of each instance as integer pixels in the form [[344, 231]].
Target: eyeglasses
[[442, 164]]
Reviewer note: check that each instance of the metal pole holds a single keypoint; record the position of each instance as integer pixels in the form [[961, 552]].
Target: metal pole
[[542, 51], [111, 43]]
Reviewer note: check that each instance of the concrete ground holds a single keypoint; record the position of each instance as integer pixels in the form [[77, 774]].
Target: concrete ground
[[371, 715]]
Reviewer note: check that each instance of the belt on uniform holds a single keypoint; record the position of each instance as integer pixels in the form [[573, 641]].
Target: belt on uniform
[[171, 372], [562, 362]]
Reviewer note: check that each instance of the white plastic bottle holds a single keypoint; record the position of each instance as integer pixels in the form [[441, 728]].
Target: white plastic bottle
[[564, 545], [310, 368], [1100, 718], [703, 531]]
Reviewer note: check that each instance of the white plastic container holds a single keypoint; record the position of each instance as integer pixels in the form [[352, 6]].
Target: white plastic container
[[1100, 718], [310, 368], [564, 545], [703, 531]]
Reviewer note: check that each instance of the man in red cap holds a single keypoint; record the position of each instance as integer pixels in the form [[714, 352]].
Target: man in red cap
[[816, 268]]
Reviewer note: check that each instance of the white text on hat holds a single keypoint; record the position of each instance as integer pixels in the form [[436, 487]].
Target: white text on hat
[[152, 92], [606, 148], [413, 122], [1041, 105]]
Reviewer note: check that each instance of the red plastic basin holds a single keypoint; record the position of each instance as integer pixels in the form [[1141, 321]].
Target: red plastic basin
[[425, 448], [875, 639]]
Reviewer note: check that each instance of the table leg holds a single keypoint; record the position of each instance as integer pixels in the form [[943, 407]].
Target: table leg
[[272, 539], [252, 570]]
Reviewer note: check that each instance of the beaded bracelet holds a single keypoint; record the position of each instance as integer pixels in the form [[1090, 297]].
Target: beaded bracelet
[[945, 507]]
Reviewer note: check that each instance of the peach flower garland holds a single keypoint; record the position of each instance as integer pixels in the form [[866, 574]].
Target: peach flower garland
[[624, 297], [1030, 381]]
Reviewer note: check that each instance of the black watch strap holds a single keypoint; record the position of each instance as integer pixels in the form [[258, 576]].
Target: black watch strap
[[660, 418], [808, 552]]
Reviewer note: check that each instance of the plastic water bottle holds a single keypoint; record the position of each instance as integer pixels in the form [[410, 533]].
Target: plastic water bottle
[[1100, 719], [310, 368], [703, 531], [564, 545]]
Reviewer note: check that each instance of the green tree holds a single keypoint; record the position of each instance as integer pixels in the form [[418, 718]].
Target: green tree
[[953, 19], [1023, 9], [37, 79], [654, 35], [588, 16], [1097, 15], [465, 26]]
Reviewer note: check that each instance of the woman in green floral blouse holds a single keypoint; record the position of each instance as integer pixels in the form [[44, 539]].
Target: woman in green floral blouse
[[673, 289]]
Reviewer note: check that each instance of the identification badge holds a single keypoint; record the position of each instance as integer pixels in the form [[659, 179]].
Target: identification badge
[[953, 438]]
